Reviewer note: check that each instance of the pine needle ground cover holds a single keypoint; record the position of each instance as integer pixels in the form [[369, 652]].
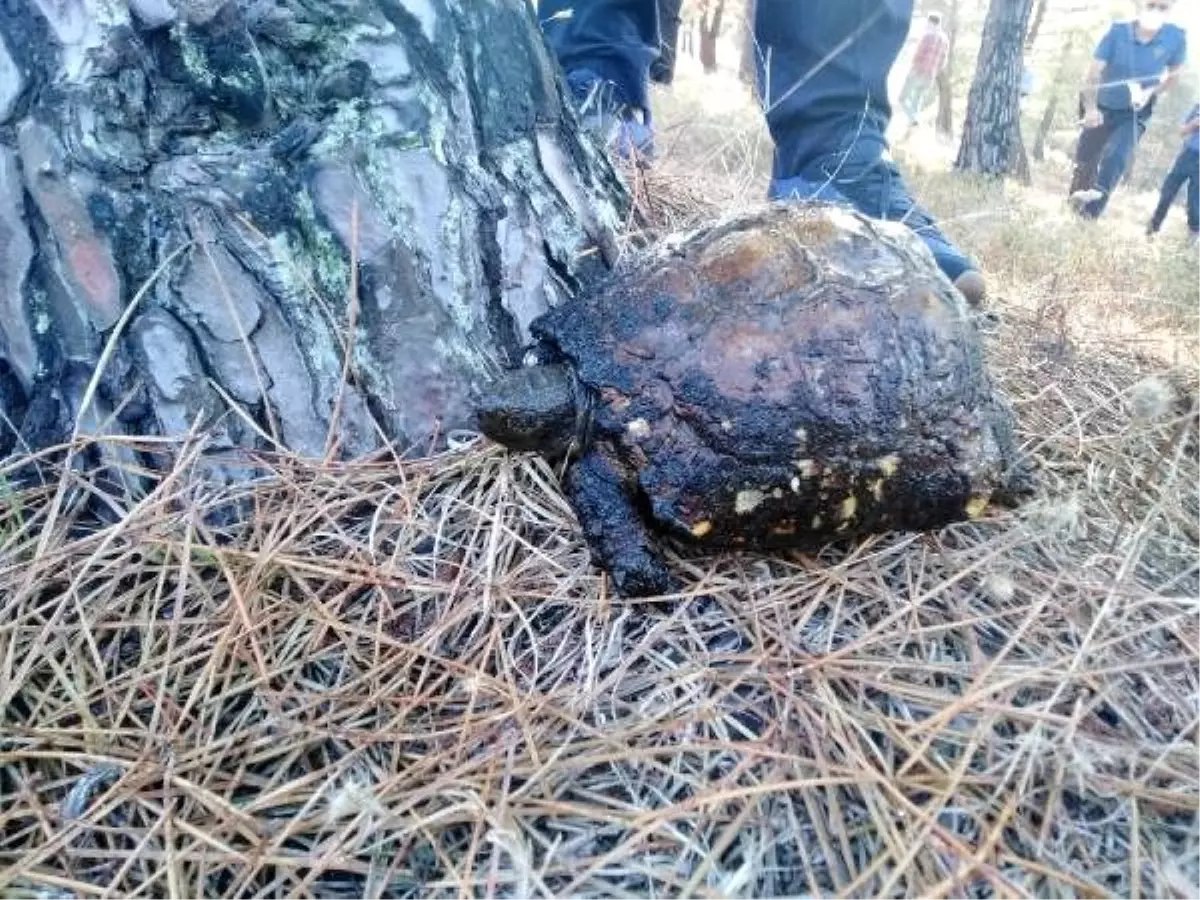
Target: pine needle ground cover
[[402, 677]]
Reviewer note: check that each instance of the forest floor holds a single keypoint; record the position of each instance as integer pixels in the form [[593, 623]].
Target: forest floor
[[405, 678]]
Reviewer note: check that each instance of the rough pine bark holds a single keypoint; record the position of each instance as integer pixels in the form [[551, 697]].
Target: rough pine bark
[[213, 161], [991, 140]]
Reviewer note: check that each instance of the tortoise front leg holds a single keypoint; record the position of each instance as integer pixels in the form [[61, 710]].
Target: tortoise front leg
[[601, 489]]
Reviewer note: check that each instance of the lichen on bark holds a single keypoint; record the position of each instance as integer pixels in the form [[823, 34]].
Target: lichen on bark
[[265, 137]]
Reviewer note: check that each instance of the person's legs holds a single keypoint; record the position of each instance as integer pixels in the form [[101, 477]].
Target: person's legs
[[823, 78], [912, 96], [1193, 192], [924, 86], [878, 190], [615, 40], [1115, 160], [605, 47], [905, 98], [1087, 157], [1170, 187]]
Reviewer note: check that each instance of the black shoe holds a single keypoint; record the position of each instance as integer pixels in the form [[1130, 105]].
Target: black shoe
[[626, 130]]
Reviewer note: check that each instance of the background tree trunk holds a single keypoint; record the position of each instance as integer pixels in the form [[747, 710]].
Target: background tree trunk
[[1035, 23], [710, 29], [747, 69], [1046, 123], [241, 147], [669, 19], [1021, 166], [945, 80], [991, 140], [687, 36], [1058, 85]]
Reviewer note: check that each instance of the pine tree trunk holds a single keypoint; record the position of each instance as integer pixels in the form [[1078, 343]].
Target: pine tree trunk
[[991, 140], [945, 79], [181, 184], [663, 68]]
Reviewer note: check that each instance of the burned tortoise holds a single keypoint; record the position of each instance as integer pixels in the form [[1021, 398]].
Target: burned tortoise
[[781, 378]]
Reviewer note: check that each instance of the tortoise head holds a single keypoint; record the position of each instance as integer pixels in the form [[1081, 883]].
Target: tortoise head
[[540, 408]]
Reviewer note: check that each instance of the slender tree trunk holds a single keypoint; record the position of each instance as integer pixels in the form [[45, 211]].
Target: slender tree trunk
[[1035, 24], [663, 69], [945, 80], [1057, 86], [1045, 124], [747, 70], [991, 140], [710, 30], [213, 162], [1021, 167]]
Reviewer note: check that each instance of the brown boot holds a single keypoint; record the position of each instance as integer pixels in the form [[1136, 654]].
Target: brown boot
[[972, 286]]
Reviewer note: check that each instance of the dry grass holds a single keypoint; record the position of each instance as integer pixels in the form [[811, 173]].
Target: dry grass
[[404, 678]]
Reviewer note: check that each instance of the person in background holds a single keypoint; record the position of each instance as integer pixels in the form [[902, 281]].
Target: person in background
[[1185, 171], [822, 73], [1132, 65], [928, 61]]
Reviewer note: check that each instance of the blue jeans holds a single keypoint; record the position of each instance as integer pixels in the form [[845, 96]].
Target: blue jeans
[[822, 71], [860, 178], [615, 39], [1185, 171]]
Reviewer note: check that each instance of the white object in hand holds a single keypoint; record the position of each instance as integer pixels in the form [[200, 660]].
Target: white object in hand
[[1138, 95]]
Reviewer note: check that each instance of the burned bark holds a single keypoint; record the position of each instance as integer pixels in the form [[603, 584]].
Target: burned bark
[[991, 140], [183, 184]]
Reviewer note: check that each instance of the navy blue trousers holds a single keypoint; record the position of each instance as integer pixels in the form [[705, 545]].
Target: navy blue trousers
[[822, 71], [1185, 171], [1103, 155]]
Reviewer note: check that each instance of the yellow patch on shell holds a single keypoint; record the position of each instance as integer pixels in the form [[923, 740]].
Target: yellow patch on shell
[[849, 508], [796, 485], [877, 489], [816, 523], [747, 501], [638, 429], [807, 468], [700, 529], [888, 465], [977, 505]]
